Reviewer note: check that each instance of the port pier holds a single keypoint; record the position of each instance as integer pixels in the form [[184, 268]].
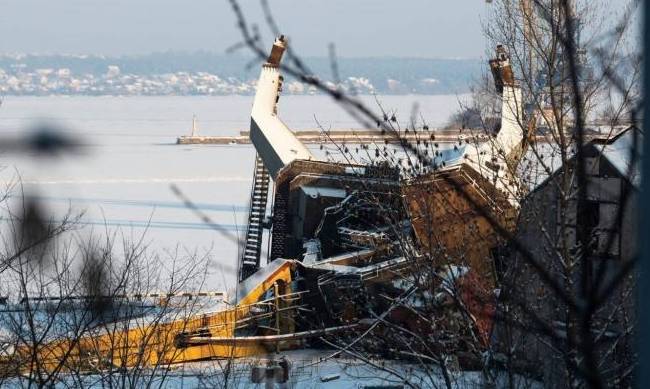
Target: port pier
[[352, 136]]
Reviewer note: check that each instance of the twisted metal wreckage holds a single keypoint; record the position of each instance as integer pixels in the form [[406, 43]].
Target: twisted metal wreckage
[[347, 241]]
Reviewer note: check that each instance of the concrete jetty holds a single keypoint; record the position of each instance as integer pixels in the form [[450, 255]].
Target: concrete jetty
[[351, 136]]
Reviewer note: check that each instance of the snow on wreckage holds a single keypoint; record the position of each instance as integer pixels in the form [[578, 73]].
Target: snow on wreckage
[[350, 246]]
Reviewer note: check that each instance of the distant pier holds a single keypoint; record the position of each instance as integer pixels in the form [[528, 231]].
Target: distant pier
[[350, 136], [339, 136]]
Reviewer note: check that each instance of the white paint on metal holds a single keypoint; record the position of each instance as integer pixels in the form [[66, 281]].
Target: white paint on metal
[[490, 158], [279, 145], [511, 134]]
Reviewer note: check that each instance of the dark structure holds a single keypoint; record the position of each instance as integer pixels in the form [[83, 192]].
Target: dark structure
[[551, 223]]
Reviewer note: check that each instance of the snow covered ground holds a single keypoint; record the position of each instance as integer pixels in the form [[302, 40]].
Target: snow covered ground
[[307, 369]]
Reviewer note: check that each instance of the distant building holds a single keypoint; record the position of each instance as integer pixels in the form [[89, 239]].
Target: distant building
[[613, 185], [44, 72], [113, 71]]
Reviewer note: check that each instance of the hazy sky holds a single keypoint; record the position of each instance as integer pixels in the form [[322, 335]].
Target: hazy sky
[[418, 28]]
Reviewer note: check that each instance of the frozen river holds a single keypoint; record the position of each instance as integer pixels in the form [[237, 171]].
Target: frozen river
[[122, 177]]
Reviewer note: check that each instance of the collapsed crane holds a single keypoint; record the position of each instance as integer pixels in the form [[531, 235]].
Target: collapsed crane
[[346, 240]]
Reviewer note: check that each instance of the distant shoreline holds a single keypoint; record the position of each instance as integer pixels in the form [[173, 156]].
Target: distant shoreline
[[204, 73], [4, 96]]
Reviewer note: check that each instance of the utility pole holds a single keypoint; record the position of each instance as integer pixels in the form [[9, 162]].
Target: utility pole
[[643, 278], [528, 15]]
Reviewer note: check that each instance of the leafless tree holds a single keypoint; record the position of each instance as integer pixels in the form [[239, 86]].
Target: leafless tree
[[571, 58], [83, 308]]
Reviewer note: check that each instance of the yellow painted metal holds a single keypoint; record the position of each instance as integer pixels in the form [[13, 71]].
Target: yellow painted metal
[[130, 345]]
